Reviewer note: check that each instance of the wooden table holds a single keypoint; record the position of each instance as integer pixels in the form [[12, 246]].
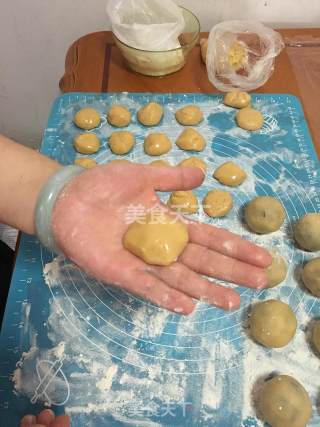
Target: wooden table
[[94, 64]]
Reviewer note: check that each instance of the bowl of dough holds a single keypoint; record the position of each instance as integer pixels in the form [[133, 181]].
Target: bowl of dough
[[156, 43]]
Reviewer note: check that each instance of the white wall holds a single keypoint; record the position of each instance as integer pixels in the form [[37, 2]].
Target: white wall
[[35, 35]]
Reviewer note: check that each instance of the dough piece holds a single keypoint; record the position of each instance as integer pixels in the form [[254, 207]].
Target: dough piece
[[194, 162], [157, 240], [87, 118], [191, 140], [204, 49], [230, 174], [283, 402], [311, 276], [190, 115], [119, 161], [184, 202], [217, 203], [160, 163], [237, 55], [277, 271], [307, 232], [316, 335], [250, 119], [264, 214], [156, 144], [119, 116], [85, 162], [86, 143], [121, 142], [150, 114], [272, 323], [237, 99]]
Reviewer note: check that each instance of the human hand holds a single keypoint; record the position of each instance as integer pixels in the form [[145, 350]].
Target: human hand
[[89, 221], [46, 418]]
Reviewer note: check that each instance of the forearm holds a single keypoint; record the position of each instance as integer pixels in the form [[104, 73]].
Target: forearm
[[23, 172]]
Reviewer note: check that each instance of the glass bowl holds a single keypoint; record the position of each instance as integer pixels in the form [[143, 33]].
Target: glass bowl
[[161, 63]]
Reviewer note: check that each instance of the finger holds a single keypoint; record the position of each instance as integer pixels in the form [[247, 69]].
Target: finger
[[229, 244], [45, 417], [185, 280], [61, 421], [144, 284], [28, 420], [175, 178], [211, 263]]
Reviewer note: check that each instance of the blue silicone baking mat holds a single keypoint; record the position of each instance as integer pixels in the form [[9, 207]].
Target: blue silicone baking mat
[[108, 358]]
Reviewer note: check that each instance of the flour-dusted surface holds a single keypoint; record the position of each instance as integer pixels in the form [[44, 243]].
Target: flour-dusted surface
[[111, 359]]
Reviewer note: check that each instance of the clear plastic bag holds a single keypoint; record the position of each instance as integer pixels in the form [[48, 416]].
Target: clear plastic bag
[[153, 25], [241, 54]]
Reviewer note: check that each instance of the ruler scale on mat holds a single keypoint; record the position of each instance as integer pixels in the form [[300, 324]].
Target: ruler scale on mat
[[112, 359]]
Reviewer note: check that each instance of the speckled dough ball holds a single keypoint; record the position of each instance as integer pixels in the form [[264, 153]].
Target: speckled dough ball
[[87, 118], [217, 203], [311, 276], [277, 271], [150, 114], [264, 214], [86, 143], [119, 116], [283, 402], [307, 232], [156, 144], [249, 119], [272, 323], [121, 142], [85, 162], [237, 99], [191, 140], [193, 162], [190, 115], [183, 201], [316, 335]]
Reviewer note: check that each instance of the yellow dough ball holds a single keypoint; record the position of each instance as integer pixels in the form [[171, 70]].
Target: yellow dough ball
[[230, 174], [277, 271], [86, 143], [150, 114], [191, 140], [193, 162], [85, 162], [249, 119], [237, 99], [307, 232], [264, 214], [283, 402], [119, 116], [272, 323], [157, 241], [190, 115], [87, 118], [156, 144], [311, 276], [160, 163], [217, 203], [184, 202], [121, 142]]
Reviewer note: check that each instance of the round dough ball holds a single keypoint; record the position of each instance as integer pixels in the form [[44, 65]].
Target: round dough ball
[[160, 163], [264, 214], [190, 115], [184, 202], [119, 116], [311, 276], [157, 241], [150, 114], [121, 142], [283, 402], [86, 143], [217, 203], [156, 144], [87, 118], [230, 174], [191, 140], [249, 119], [277, 271], [272, 323], [193, 162], [316, 336], [237, 99], [85, 162], [307, 232]]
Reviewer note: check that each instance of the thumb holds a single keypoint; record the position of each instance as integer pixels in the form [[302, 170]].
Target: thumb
[[175, 178]]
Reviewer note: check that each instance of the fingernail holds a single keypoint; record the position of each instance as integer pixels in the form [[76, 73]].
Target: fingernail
[[28, 420]]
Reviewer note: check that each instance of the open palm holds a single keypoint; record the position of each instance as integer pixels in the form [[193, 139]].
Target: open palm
[[91, 216]]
